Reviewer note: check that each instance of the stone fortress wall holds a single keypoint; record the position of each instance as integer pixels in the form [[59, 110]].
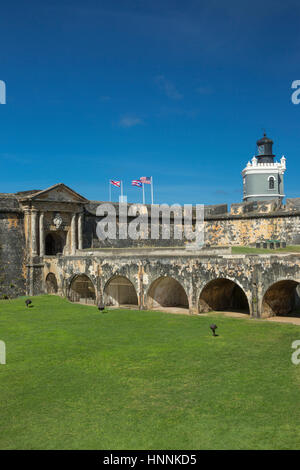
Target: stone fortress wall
[[242, 225], [34, 222], [12, 248]]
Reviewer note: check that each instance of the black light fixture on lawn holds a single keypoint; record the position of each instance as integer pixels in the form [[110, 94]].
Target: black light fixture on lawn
[[213, 328], [28, 302]]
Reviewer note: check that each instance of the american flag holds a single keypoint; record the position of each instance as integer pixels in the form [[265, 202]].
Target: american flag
[[145, 179], [115, 183], [137, 183]]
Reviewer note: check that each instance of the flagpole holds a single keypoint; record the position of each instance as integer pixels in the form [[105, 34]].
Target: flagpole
[[143, 193], [109, 190], [151, 190]]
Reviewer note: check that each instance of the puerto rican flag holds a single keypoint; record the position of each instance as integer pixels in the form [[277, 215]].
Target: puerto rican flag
[[145, 179], [115, 183], [137, 183]]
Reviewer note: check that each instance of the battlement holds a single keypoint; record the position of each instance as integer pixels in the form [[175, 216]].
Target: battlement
[[10, 202], [255, 164]]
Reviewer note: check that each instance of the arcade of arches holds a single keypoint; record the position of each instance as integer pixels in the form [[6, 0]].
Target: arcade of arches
[[221, 294]]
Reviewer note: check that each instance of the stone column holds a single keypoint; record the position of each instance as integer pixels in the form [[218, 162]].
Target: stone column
[[140, 293], [27, 223], [42, 235], [73, 234], [80, 220], [34, 214]]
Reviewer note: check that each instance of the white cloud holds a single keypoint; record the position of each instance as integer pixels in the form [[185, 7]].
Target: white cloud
[[130, 121], [168, 87]]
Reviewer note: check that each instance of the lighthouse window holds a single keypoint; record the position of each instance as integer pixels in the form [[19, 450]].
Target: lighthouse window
[[271, 182]]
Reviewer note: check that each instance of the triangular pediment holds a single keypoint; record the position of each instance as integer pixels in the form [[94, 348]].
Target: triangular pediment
[[58, 193]]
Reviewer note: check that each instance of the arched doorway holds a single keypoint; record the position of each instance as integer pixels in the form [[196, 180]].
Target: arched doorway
[[167, 292], [51, 284], [221, 295], [120, 291], [281, 298], [82, 290], [54, 243]]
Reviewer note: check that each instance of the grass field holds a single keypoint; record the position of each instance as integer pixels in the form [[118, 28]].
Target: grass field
[[253, 250], [79, 379]]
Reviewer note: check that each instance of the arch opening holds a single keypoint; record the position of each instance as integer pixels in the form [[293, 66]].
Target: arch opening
[[282, 298], [119, 291], [82, 290], [54, 244], [167, 292], [51, 284], [223, 295], [271, 182]]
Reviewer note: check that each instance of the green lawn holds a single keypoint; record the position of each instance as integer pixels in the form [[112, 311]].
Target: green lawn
[[253, 250], [79, 379]]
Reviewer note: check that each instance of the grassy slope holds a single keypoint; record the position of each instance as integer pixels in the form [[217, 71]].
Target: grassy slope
[[76, 378]]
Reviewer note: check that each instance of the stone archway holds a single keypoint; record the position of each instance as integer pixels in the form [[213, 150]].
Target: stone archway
[[51, 284], [167, 292], [55, 243], [281, 298], [223, 294], [119, 291], [82, 290]]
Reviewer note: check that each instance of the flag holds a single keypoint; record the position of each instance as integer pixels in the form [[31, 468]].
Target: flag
[[145, 179], [137, 183], [115, 183]]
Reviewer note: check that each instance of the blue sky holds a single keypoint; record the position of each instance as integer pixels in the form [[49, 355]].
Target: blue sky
[[177, 90]]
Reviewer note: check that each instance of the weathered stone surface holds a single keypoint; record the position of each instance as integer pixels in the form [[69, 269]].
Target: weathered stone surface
[[293, 204], [260, 207], [12, 255], [149, 272], [240, 278]]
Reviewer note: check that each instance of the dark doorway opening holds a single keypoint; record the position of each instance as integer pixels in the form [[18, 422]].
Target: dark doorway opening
[[282, 299], [82, 290], [51, 284], [222, 295], [54, 244], [167, 292], [120, 291]]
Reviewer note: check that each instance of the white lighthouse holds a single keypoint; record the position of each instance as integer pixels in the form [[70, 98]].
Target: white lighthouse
[[263, 177]]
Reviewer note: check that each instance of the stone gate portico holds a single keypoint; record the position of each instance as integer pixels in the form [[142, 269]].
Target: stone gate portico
[[57, 211], [52, 225]]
